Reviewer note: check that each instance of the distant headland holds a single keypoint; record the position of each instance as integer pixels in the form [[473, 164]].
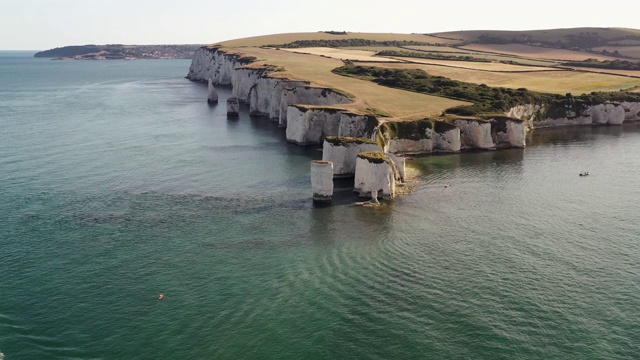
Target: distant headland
[[119, 52]]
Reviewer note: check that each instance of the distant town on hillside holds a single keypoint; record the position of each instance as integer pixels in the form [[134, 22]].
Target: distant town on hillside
[[119, 52]]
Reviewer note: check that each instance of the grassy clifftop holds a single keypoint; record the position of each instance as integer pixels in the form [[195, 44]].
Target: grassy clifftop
[[486, 100], [409, 77]]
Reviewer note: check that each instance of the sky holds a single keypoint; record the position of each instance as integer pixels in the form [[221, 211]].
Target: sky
[[46, 24]]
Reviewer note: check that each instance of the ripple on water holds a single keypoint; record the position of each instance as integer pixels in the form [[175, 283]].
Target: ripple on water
[[127, 197]]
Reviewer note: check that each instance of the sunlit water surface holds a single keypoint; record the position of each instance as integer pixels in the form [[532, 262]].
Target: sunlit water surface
[[118, 183]]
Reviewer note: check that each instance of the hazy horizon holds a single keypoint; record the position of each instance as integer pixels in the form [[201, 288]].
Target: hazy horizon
[[41, 24]]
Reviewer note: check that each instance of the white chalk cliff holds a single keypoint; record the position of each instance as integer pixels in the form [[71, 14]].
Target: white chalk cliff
[[266, 96], [212, 93], [442, 139], [304, 110], [375, 177], [343, 154], [322, 180], [611, 113], [475, 134], [233, 106], [508, 132], [400, 165], [311, 125]]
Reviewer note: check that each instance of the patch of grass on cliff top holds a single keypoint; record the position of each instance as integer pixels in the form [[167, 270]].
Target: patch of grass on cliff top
[[346, 140], [536, 52], [331, 109], [398, 104], [412, 130], [375, 157]]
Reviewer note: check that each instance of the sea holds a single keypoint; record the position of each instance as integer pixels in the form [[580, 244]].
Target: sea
[[118, 183]]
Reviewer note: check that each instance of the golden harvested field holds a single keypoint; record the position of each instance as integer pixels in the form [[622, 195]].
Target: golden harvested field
[[631, 73], [342, 53], [438, 49], [279, 39], [552, 35], [534, 52], [476, 65], [400, 104], [532, 69], [633, 51], [374, 48], [456, 51], [559, 82]]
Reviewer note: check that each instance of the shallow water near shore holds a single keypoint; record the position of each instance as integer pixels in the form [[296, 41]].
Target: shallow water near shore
[[119, 182]]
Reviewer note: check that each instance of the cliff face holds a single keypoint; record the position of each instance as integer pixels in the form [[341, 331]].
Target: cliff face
[[293, 104], [244, 80], [266, 96], [343, 155], [304, 94], [438, 140], [312, 125], [475, 134], [322, 180], [297, 106], [535, 116], [631, 110], [508, 132], [377, 178], [422, 137], [493, 133], [302, 109], [211, 63]]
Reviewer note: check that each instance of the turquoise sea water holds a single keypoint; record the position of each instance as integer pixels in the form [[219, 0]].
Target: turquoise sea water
[[118, 182]]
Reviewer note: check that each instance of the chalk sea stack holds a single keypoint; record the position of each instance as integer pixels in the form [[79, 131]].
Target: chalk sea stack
[[213, 93], [322, 180], [375, 174], [233, 106]]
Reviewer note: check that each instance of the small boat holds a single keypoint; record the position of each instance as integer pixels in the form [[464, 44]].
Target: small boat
[[584, 173], [161, 296]]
